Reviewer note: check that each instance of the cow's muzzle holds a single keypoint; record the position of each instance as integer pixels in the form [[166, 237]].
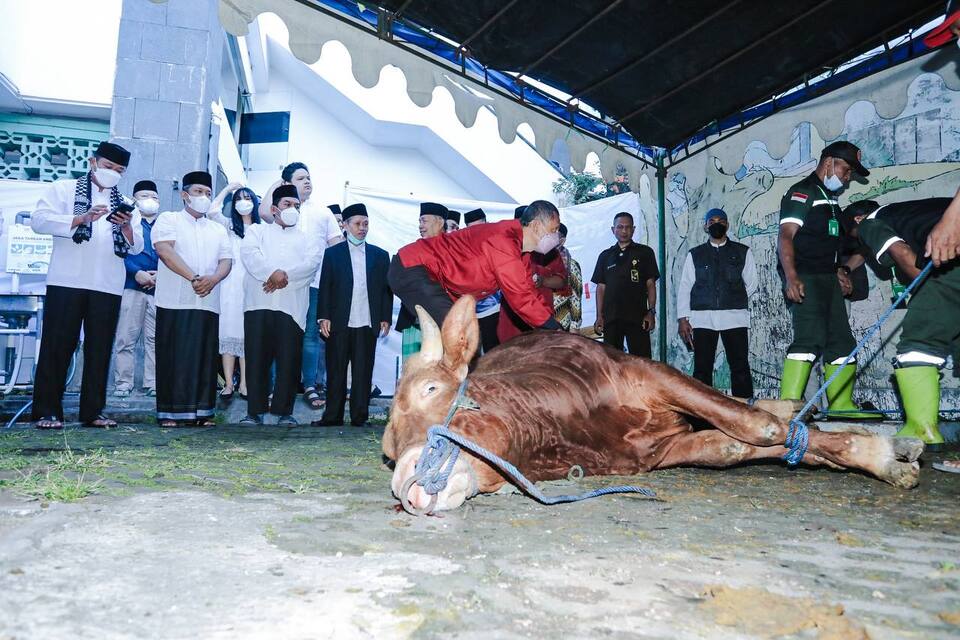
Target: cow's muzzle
[[461, 485]]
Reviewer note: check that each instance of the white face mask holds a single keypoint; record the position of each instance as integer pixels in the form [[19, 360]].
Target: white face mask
[[290, 216], [832, 182], [106, 178], [200, 204], [548, 243], [243, 207], [148, 206]]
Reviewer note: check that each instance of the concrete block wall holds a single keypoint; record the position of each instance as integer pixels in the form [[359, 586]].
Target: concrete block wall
[[168, 73]]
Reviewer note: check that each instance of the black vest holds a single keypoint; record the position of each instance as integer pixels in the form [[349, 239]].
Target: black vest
[[719, 284]]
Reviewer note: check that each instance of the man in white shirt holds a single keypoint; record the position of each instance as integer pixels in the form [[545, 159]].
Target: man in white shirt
[[355, 306], [94, 228], [195, 256], [712, 302], [281, 262], [320, 224]]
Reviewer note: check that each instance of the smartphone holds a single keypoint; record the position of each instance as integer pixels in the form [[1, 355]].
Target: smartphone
[[123, 207]]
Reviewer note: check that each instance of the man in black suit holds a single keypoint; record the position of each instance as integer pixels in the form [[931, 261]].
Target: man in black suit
[[353, 305]]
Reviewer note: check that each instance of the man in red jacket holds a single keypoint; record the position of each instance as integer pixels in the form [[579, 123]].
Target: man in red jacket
[[477, 261]]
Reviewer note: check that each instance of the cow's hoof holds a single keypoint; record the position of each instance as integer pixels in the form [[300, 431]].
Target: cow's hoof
[[907, 449], [903, 475]]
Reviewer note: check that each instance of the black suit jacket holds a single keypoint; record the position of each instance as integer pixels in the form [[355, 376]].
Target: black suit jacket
[[336, 286]]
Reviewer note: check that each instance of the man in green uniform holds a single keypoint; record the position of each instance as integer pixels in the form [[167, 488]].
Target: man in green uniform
[[897, 234], [815, 282]]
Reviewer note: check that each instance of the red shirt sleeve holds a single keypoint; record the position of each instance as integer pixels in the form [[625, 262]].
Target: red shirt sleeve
[[517, 286]]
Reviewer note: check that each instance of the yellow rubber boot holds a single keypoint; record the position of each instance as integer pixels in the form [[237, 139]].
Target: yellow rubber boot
[[794, 380], [920, 391]]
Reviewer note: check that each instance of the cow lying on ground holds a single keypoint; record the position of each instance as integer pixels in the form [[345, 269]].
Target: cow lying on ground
[[551, 400]]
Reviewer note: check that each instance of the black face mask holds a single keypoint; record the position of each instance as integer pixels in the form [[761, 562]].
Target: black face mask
[[717, 230]]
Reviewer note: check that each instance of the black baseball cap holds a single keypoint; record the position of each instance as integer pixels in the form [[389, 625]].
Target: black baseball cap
[[848, 152]]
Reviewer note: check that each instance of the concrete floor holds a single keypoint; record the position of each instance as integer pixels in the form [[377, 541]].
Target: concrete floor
[[229, 532]]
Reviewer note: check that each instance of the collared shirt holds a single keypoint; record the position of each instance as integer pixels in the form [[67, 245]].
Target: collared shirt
[[146, 260], [360, 302], [624, 271], [90, 265], [716, 320], [814, 208], [201, 243], [910, 222], [268, 247], [320, 225]]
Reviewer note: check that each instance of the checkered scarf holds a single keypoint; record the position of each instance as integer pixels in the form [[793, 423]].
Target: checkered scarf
[[81, 204]]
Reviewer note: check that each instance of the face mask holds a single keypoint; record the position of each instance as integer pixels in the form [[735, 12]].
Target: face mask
[[832, 182], [548, 243], [353, 240], [243, 207], [717, 230], [290, 216], [148, 206], [200, 204], [106, 178]]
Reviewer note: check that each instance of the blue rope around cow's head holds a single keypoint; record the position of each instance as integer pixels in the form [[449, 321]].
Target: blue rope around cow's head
[[439, 457]]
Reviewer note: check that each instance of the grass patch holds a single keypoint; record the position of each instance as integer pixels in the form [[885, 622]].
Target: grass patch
[[51, 485]]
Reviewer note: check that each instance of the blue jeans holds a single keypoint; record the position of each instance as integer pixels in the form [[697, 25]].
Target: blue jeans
[[313, 369]]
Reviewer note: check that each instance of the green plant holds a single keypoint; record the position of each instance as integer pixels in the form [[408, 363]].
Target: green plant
[[578, 188]]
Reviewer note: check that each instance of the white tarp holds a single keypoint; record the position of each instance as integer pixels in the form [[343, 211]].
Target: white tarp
[[394, 222]]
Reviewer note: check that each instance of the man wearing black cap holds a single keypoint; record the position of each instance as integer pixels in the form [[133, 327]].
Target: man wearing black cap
[[476, 216], [338, 214], [280, 262], [195, 256], [138, 311], [452, 221], [815, 282], [355, 306], [94, 228], [432, 223]]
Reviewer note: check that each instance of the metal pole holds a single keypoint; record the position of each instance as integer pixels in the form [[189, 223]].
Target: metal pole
[[662, 231]]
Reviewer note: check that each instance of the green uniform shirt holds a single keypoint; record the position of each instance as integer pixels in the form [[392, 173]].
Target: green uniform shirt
[[817, 244], [909, 222]]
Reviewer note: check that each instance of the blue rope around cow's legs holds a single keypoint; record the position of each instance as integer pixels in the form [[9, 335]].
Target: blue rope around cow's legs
[[798, 437]]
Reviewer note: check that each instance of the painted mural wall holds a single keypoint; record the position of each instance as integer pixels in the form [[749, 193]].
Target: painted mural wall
[[913, 155]]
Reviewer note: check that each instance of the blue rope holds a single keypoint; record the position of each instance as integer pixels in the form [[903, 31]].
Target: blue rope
[[439, 456], [798, 436]]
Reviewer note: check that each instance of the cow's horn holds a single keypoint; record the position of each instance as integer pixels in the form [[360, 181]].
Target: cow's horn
[[431, 345]]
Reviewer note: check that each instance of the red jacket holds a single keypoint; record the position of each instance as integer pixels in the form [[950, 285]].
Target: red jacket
[[478, 261], [543, 266]]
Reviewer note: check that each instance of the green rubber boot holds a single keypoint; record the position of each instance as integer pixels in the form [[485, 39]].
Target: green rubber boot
[[840, 395], [920, 390], [794, 380]]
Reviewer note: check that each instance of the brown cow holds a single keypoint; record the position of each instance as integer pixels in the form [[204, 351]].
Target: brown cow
[[551, 400]]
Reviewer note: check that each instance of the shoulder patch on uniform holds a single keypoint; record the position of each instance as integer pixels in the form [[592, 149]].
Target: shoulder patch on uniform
[[799, 196]]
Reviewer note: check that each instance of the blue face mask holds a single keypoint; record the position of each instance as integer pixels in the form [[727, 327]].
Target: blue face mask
[[353, 240], [832, 182]]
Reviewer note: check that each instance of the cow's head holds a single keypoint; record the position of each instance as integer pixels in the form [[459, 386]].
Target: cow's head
[[423, 397]]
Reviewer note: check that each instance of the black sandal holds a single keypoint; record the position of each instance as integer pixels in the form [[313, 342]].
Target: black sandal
[[313, 399], [48, 422], [105, 422]]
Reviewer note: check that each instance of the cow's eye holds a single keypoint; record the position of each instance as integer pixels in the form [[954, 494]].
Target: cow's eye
[[430, 388]]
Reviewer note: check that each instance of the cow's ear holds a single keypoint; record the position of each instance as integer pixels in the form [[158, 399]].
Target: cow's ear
[[461, 335]]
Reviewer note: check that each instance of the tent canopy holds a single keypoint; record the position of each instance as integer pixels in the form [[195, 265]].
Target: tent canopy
[[664, 70]]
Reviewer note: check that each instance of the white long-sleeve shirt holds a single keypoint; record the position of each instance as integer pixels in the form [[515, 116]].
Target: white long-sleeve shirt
[[90, 265], [268, 247], [723, 319], [321, 226], [360, 299], [201, 243]]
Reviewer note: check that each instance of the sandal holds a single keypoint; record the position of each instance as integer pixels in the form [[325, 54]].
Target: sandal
[[313, 399], [169, 424], [226, 396], [101, 422], [947, 466], [250, 420], [206, 422], [48, 422]]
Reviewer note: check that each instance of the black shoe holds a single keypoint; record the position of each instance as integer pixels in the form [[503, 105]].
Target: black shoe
[[250, 420], [327, 423], [375, 392], [287, 421]]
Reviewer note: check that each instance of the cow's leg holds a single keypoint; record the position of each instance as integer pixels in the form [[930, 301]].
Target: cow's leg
[[890, 459], [713, 448]]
